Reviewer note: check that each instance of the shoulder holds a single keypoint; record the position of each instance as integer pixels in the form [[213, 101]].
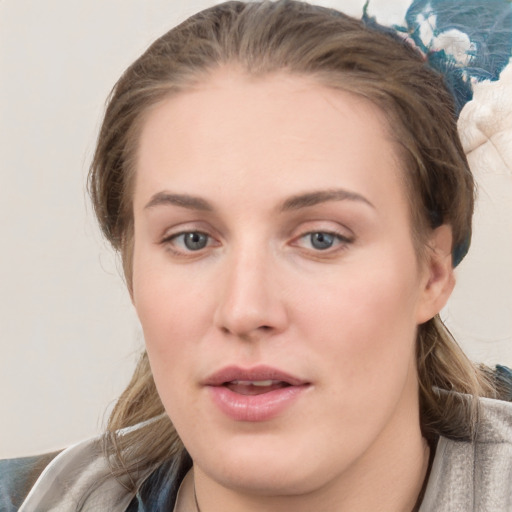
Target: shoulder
[[76, 475], [80, 478], [475, 475], [55, 481], [495, 422], [17, 476], [495, 416]]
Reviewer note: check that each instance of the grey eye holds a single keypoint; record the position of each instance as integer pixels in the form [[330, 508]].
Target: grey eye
[[321, 240], [195, 241]]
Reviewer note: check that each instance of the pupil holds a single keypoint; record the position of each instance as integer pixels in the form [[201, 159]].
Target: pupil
[[195, 241], [321, 240]]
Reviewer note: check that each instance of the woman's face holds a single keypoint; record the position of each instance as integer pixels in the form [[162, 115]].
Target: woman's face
[[276, 280]]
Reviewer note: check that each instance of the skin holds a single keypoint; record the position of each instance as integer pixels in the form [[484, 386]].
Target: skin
[[343, 319]]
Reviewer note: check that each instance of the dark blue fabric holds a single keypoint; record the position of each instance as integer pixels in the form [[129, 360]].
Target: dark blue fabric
[[158, 493]]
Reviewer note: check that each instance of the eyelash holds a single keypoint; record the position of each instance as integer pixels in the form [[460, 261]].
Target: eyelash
[[340, 242]]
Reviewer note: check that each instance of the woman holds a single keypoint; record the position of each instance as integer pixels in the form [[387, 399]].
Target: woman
[[289, 195]]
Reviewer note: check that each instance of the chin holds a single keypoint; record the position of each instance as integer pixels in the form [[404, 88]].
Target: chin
[[266, 471], [265, 481]]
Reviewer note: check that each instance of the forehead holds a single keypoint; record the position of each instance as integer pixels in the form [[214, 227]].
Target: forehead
[[282, 132]]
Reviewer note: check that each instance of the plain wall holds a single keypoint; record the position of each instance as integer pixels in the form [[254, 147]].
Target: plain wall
[[69, 336]]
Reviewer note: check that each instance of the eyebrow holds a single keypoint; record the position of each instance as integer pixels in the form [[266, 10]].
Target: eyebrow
[[321, 196], [293, 203], [183, 200]]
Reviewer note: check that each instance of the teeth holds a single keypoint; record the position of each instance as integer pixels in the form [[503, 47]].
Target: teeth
[[262, 383]]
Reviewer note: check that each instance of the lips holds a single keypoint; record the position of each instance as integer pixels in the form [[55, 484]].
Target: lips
[[254, 394], [255, 374]]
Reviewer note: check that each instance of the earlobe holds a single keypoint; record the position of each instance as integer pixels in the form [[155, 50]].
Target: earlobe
[[439, 278]]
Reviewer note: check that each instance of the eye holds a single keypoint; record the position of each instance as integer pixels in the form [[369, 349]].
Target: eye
[[322, 240], [190, 240]]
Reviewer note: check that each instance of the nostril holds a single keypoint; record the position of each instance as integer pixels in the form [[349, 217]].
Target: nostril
[[249, 335]]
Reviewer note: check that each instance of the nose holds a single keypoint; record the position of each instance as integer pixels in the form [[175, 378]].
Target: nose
[[250, 301]]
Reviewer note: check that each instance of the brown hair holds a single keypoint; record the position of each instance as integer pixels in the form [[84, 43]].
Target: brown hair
[[340, 52]]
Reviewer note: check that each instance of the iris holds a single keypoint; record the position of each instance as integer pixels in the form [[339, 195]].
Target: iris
[[321, 240], [195, 241]]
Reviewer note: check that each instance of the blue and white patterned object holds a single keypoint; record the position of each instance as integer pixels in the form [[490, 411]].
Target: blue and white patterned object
[[467, 40]]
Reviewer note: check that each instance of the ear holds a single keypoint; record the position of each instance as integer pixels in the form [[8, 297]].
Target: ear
[[438, 279]]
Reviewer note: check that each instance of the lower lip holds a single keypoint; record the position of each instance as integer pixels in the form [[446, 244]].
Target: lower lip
[[254, 408]]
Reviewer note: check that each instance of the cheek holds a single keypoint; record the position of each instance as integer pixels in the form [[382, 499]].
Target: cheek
[[365, 321], [171, 309], [364, 340], [169, 316]]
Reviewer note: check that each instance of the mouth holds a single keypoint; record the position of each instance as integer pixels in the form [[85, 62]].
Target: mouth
[[253, 381], [255, 394], [255, 387]]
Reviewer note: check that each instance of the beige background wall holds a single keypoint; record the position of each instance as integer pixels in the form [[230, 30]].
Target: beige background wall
[[69, 337]]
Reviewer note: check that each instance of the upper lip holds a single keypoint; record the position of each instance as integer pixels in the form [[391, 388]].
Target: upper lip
[[256, 373]]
